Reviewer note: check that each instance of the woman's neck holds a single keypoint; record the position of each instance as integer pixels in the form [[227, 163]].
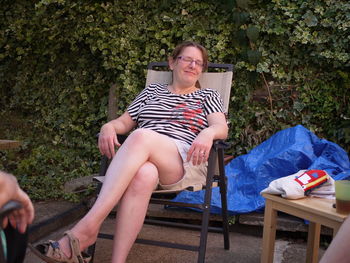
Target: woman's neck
[[177, 89]]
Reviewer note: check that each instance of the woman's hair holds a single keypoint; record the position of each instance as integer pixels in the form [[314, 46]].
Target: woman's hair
[[179, 48]]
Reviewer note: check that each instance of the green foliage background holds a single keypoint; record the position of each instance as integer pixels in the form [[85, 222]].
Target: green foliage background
[[58, 59]]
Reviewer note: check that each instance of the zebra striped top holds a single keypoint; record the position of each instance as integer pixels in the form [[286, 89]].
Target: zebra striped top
[[179, 116]]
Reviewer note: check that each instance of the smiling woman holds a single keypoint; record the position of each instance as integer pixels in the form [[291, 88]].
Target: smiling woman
[[182, 120], [187, 53], [186, 73]]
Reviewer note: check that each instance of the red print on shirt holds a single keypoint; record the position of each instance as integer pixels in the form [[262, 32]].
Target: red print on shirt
[[189, 116]]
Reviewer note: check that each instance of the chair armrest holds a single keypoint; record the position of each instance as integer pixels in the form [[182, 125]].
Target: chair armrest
[[221, 144], [7, 208], [121, 137]]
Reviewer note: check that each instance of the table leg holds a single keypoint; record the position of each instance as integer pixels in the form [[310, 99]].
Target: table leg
[[336, 229], [269, 234], [313, 242]]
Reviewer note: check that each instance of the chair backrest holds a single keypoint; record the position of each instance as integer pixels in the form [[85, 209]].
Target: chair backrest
[[220, 81]]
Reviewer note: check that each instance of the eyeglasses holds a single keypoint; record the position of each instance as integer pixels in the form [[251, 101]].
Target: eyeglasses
[[189, 60]]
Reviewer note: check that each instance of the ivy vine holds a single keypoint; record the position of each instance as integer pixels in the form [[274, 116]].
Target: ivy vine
[[58, 59]]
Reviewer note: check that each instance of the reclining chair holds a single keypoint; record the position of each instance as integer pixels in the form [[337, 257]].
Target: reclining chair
[[221, 80]]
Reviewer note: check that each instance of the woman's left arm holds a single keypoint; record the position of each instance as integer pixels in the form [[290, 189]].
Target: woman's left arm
[[200, 148], [217, 125]]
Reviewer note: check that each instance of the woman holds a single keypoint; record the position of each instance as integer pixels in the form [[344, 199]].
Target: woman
[[182, 121]]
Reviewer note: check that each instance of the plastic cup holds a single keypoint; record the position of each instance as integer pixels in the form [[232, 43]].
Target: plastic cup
[[342, 196]]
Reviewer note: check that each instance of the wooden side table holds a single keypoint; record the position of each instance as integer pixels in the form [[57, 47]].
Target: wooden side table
[[318, 211], [9, 144]]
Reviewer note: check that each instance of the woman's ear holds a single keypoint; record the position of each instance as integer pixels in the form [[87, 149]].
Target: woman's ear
[[171, 63]]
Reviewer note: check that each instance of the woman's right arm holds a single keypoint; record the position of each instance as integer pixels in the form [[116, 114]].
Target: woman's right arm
[[107, 139]]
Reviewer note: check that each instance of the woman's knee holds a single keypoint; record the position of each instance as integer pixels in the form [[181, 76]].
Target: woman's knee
[[145, 179], [140, 137]]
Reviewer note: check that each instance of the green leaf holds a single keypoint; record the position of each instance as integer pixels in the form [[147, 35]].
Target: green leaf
[[242, 3], [310, 19], [254, 56], [253, 33]]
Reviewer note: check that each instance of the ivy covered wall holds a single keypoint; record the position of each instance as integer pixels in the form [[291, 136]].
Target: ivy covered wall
[[58, 59]]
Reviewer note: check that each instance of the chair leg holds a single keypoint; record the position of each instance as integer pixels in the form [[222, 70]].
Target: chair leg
[[206, 208], [103, 168], [225, 224], [91, 251], [223, 192], [204, 234]]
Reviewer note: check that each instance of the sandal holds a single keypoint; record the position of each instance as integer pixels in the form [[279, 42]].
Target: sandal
[[50, 251]]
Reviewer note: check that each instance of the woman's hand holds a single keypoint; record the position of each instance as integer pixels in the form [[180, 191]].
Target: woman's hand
[[21, 218], [200, 148], [107, 140]]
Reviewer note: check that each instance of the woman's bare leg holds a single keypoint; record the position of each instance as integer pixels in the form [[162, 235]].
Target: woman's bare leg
[[132, 209], [141, 146]]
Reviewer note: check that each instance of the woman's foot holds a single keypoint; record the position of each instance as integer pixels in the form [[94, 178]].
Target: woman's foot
[[62, 251]]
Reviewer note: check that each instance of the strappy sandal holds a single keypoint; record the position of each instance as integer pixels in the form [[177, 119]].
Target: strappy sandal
[[50, 251]]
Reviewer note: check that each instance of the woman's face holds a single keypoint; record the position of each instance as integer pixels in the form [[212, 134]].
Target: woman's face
[[188, 66]]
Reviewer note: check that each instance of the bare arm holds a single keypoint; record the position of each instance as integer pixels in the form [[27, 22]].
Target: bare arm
[[108, 133], [10, 190], [200, 148]]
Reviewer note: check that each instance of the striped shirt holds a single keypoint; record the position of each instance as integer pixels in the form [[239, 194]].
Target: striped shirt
[[179, 116]]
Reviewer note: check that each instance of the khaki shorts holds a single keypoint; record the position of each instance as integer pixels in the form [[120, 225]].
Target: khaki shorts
[[194, 175]]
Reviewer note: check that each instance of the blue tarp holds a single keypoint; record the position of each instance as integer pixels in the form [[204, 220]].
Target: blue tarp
[[284, 153]]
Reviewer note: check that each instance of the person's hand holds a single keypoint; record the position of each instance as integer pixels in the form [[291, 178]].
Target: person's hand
[[10, 190], [200, 148], [21, 218], [107, 140]]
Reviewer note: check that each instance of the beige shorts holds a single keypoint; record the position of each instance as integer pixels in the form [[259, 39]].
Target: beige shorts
[[194, 175]]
